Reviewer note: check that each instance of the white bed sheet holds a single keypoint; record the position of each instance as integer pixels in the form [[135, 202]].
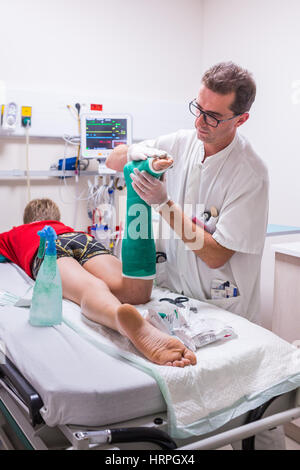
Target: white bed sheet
[[78, 383], [229, 379]]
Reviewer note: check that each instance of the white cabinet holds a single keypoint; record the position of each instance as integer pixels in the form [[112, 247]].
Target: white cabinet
[[286, 306]]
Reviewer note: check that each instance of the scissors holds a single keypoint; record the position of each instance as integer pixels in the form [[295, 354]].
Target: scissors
[[178, 301], [161, 257]]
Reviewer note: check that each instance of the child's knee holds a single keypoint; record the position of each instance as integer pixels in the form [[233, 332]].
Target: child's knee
[[139, 295]]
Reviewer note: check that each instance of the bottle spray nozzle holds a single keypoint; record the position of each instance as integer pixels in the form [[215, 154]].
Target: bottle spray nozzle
[[42, 245], [48, 235]]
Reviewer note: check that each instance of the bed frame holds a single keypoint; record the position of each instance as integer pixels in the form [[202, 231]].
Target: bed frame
[[22, 425]]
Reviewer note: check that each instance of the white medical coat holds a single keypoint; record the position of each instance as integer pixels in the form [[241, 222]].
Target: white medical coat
[[235, 181]]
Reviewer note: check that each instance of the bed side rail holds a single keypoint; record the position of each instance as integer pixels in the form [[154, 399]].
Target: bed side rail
[[16, 383], [123, 435]]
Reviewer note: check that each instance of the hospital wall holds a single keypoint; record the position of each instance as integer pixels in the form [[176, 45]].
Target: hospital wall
[[264, 37], [145, 52], [136, 52]]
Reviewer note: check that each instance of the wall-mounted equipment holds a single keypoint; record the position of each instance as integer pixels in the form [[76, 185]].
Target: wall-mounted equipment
[[10, 117], [26, 116], [101, 133]]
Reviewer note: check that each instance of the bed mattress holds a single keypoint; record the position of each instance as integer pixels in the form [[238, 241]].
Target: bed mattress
[[78, 383], [81, 384]]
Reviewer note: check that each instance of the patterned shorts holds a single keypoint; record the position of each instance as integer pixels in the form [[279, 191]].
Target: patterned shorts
[[79, 246]]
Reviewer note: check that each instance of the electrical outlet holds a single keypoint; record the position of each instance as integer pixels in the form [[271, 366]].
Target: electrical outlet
[[26, 116]]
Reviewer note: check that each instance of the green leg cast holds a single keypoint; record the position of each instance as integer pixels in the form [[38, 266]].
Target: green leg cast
[[138, 246]]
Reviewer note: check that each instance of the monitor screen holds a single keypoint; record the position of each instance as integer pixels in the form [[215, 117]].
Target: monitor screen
[[105, 133]]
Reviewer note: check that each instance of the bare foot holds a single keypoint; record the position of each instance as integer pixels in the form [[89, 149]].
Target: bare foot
[[162, 163], [157, 346]]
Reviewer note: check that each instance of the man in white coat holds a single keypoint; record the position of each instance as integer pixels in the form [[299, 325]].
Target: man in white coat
[[215, 172]]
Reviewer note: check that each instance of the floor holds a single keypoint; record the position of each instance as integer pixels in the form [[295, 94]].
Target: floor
[[290, 445]]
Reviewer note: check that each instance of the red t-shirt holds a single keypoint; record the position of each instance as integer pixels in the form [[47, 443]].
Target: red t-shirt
[[20, 244]]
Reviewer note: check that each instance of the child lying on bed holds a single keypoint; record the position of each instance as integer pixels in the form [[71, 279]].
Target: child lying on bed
[[92, 278]]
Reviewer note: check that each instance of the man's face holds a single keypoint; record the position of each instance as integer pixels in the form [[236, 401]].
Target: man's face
[[218, 106]]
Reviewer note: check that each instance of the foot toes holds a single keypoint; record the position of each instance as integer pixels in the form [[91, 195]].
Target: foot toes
[[178, 364], [186, 362], [161, 349], [190, 356]]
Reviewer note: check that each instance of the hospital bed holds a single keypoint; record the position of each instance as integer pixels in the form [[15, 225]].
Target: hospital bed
[[59, 390]]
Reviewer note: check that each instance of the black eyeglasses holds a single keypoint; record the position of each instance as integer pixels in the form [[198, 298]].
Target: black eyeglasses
[[208, 119]]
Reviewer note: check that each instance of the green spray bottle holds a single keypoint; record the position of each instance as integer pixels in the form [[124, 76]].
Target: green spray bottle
[[46, 305]]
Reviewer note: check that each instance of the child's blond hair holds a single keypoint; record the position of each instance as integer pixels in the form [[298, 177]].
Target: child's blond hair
[[40, 209]]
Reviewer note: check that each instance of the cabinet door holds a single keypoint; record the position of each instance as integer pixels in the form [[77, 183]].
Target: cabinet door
[[286, 309]]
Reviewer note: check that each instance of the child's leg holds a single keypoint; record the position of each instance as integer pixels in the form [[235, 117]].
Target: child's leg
[[108, 268], [133, 290], [138, 246], [92, 294], [100, 305]]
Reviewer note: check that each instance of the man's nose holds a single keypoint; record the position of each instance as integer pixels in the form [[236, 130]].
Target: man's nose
[[198, 119]]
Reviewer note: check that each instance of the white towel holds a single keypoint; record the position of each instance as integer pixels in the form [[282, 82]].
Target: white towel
[[230, 377]]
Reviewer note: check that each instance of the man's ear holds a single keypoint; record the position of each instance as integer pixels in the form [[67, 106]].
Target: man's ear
[[242, 119]]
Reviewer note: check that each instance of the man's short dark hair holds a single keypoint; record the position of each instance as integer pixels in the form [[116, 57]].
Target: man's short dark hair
[[226, 77]]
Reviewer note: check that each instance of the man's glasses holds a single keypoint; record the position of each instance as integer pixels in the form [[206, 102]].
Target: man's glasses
[[208, 119]]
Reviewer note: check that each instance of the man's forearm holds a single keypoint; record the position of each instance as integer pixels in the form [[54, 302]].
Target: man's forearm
[[117, 158], [195, 237]]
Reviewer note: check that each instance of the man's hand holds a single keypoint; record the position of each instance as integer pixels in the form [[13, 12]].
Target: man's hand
[[142, 152], [150, 189]]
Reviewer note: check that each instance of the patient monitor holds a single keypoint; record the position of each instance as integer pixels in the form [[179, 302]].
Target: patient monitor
[[101, 133]]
